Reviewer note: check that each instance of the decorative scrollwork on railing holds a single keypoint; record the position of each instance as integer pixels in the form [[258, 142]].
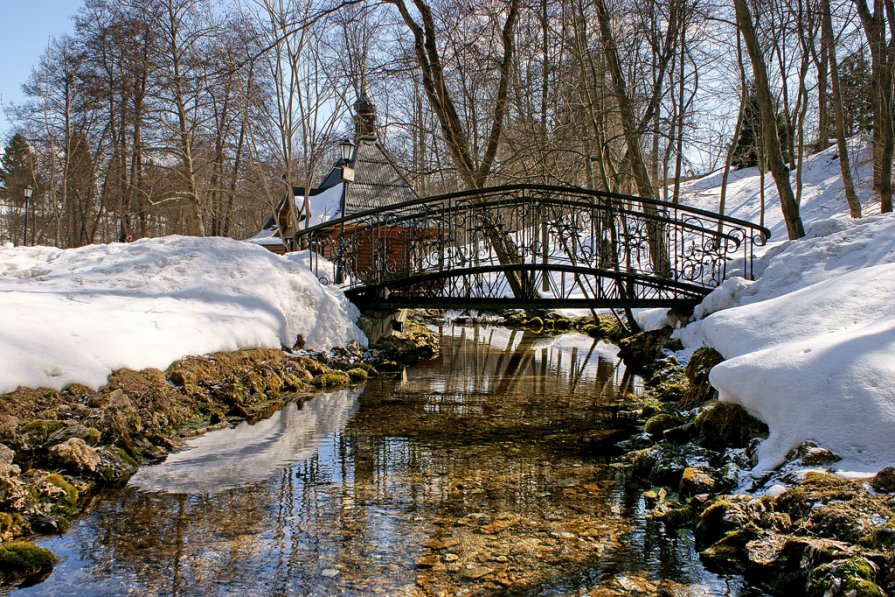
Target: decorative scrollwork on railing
[[534, 245]]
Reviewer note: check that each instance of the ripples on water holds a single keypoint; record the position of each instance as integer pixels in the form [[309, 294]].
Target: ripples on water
[[481, 471]]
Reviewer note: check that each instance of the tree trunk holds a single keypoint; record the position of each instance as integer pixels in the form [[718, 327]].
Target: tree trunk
[[829, 48], [658, 250], [771, 140]]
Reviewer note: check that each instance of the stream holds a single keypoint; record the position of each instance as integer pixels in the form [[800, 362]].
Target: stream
[[489, 469]]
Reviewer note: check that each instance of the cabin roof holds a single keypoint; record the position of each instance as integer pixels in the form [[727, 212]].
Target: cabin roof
[[378, 182]]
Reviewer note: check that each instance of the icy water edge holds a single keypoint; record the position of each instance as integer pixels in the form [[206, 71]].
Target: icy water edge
[[482, 471]]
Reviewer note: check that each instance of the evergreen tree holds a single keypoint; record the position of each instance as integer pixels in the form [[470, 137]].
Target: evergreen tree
[[16, 173], [854, 73], [746, 153]]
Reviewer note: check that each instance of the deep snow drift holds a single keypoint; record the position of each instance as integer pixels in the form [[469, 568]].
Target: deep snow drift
[[810, 344], [76, 315]]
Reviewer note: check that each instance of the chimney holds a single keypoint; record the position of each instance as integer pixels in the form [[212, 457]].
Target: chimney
[[364, 118]]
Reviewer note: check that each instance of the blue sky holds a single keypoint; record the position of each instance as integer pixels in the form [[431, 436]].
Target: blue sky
[[27, 27]]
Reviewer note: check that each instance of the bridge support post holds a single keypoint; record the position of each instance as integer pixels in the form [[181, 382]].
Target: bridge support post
[[381, 324]]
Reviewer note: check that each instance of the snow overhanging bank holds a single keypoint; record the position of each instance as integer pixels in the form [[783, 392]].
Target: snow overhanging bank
[[810, 344], [74, 316]]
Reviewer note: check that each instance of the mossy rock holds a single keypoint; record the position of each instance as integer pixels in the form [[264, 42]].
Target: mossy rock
[[671, 391], [651, 407], [695, 481], [725, 515], [723, 425], [332, 379], [640, 349], [699, 390], [657, 424], [12, 525], [357, 375], [728, 554], [116, 466], [884, 480], [24, 561], [855, 576], [36, 432], [680, 434], [370, 369], [535, 323]]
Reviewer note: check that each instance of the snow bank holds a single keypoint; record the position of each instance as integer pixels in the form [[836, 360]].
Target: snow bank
[[76, 315], [809, 345]]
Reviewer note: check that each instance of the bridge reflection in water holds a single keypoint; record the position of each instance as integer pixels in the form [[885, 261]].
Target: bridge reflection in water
[[485, 470], [532, 246]]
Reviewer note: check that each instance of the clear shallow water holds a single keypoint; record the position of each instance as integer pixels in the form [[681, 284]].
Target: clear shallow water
[[482, 471]]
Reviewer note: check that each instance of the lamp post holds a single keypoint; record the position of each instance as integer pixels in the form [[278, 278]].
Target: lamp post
[[28, 191], [347, 148]]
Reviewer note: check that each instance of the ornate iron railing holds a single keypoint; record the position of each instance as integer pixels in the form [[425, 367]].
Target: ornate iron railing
[[532, 246]]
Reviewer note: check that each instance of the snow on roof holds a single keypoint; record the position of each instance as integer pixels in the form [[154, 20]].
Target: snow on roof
[[76, 315]]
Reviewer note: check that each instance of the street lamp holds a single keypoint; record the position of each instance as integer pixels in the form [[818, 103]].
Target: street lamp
[[28, 191], [347, 146]]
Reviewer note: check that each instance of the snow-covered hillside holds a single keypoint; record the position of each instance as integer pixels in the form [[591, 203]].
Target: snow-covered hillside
[[76, 315], [809, 344], [822, 194]]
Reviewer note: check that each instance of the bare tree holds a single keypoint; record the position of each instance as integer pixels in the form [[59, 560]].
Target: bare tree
[[770, 137]]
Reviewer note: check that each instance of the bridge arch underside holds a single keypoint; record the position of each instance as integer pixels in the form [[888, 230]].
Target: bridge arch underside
[[530, 246], [488, 288]]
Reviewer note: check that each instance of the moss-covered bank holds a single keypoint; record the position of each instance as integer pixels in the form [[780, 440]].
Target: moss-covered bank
[[810, 533]]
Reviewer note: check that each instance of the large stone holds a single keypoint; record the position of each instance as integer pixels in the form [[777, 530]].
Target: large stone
[[20, 560], [884, 481], [90, 435], [75, 455], [699, 390], [116, 466], [641, 349], [723, 425], [695, 481]]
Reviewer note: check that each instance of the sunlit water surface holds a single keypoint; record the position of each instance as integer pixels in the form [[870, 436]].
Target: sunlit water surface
[[485, 470]]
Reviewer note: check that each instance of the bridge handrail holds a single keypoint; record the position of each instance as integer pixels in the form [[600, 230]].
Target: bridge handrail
[[536, 187], [411, 215]]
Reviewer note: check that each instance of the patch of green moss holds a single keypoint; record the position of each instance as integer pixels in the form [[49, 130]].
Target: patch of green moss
[[333, 379], [69, 503], [12, 525], [657, 424], [24, 560], [671, 391], [853, 576], [38, 430], [651, 407], [357, 374]]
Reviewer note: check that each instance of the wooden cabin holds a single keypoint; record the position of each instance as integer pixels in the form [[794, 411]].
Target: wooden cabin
[[377, 182]]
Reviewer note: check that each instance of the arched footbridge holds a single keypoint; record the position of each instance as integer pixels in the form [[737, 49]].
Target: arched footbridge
[[531, 246]]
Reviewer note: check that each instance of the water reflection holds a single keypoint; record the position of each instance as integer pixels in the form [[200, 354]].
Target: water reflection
[[481, 471], [249, 453]]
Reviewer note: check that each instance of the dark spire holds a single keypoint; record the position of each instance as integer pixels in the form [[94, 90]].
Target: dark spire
[[364, 118]]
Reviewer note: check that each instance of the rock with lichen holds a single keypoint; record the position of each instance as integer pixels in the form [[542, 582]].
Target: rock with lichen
[[74, 455]]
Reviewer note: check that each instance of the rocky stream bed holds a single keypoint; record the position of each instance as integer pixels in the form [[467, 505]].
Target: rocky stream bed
[[801, 530]]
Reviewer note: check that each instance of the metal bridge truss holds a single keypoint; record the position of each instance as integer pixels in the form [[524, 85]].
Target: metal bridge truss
[[531, 246]]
